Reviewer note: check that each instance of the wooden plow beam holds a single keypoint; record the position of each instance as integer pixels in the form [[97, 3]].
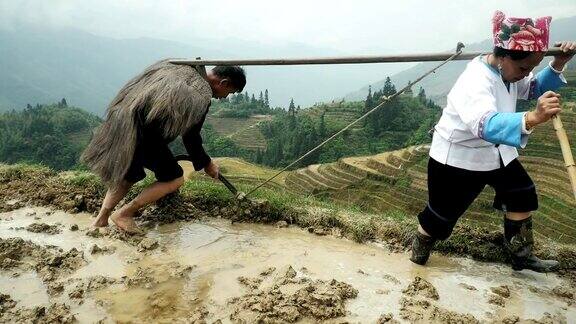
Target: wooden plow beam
[[430, 57]]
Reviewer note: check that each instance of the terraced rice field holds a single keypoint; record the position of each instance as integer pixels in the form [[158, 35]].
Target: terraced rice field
[[243, 131], [339, 114], [397, 180], [239, 171]]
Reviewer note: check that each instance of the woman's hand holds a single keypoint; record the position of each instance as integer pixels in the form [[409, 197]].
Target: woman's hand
[[548, 106], [212, 169], [569, 49]]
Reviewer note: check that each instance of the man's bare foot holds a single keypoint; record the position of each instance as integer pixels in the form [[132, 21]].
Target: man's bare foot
[[102, 218], [124, 219]]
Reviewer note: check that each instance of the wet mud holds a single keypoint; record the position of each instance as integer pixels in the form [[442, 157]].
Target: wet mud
[[202, 269], [82, 192]]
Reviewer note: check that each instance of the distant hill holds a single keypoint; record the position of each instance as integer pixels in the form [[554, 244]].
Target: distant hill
[[439, 84], [45, 65]]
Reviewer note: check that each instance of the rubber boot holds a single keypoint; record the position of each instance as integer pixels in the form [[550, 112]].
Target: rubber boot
[[519, 243], [421, 247]]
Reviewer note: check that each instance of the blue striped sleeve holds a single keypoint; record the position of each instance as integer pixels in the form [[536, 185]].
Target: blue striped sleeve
[[504, 128], [545, 80]]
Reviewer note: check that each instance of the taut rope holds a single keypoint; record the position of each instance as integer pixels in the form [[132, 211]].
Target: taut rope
[[459, 48]]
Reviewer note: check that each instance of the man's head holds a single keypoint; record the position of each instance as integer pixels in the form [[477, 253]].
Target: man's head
[[225, 80], [516, 65]]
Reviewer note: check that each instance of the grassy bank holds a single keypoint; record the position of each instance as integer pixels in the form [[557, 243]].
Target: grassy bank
[[78, 191]]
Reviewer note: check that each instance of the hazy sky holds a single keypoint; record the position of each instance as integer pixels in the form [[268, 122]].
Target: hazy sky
[[363, 27], [251, 29]]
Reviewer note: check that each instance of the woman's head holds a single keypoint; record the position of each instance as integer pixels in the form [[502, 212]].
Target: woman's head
[[515, 65], [519, 44]]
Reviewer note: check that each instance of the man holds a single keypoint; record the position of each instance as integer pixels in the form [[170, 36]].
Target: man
[[149, 112]]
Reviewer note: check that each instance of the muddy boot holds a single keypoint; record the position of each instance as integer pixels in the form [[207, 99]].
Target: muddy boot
[[519, 243], [421, 247]]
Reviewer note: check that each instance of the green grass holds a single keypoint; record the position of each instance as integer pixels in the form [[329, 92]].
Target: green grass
[[11, 172], [81, 179]]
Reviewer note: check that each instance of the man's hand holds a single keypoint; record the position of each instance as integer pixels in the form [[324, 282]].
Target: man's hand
[[548, 106], [212, 169], [560, 60]]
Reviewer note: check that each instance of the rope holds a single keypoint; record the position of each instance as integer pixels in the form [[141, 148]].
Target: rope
[[459, 48]]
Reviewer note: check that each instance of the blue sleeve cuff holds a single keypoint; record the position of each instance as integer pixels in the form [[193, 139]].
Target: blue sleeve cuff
[[545, 80], [504, 128]]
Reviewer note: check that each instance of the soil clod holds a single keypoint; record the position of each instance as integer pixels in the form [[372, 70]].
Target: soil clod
[[43, 228]]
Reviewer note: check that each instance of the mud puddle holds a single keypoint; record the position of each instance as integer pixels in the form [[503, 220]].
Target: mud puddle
[[212, 270]]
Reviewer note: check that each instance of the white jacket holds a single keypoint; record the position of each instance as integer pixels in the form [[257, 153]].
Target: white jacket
[[478, 92]]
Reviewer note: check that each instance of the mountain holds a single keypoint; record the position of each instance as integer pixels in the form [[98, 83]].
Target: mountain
[[46, 65], [439, 84]]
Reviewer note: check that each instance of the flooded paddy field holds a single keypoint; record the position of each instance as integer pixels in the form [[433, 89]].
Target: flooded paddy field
[[55, 267]]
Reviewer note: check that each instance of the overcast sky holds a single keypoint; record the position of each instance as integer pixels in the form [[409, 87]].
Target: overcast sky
[[297, 28], [363, 27]]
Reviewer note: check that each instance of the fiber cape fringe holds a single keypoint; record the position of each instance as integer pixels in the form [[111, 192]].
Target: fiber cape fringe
[[173, 96]]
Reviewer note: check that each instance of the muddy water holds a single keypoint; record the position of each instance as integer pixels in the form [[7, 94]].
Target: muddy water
[[194, 274]]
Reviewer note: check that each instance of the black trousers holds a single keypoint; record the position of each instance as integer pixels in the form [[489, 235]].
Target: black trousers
[[452, 190], [152, 152]]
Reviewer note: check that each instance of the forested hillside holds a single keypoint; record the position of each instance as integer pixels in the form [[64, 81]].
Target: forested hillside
[[244, 125], [401, 122], [53, 135]]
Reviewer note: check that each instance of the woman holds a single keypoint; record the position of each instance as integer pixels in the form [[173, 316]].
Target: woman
[[475, 141]]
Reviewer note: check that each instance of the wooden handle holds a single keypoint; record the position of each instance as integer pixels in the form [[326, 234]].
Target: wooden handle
[[566, 151]]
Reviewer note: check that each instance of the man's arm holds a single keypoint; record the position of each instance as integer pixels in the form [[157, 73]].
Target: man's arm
[[193, 143]]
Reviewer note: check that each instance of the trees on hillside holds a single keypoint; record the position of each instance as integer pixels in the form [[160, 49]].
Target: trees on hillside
[[242, 105], [53, 135], [399, 122]]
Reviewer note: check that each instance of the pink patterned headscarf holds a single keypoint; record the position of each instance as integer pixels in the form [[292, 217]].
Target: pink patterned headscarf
[[524, 34]]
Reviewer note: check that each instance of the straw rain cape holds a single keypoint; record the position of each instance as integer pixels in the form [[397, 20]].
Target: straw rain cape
[[173, 96]]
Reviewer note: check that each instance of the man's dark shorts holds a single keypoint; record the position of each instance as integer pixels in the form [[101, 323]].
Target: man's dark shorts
[[152, 152]]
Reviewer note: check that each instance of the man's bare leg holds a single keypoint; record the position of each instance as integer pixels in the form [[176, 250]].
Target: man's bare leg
[[112, 198], [124, 217]]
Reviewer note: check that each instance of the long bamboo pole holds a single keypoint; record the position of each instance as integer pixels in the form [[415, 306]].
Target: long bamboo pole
[[459, 48], [431, 57], [566, 151]]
